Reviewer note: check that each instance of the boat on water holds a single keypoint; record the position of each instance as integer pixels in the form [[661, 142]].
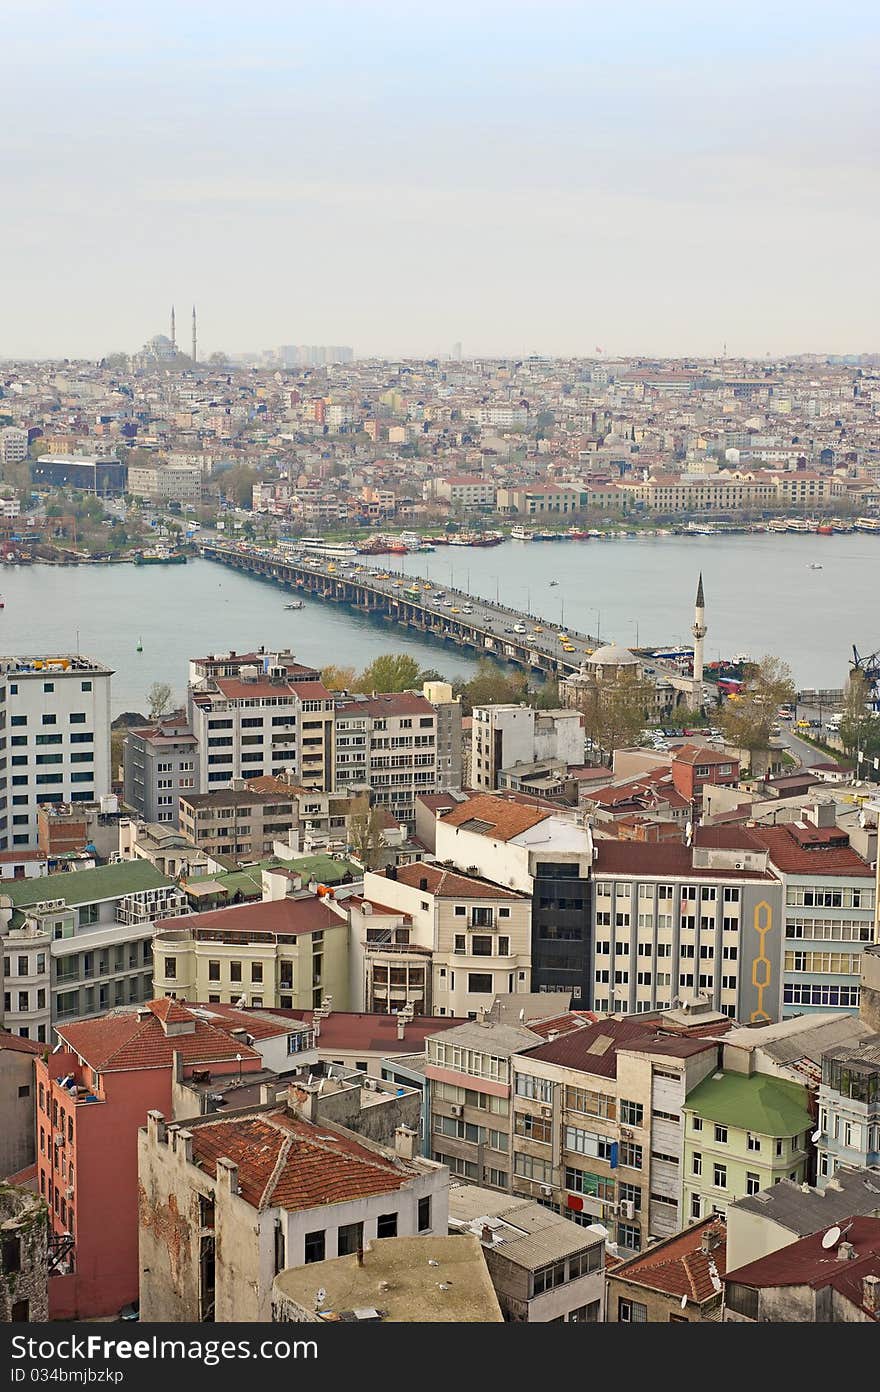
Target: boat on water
[[825, 530], [815, 565], [554, 582], [867, 524], [476, 539], [520, 534], [317, 546], [159, 555], [295, 604]]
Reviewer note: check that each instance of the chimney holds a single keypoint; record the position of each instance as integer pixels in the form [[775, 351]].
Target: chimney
[[183, 1145], [871, 1293], [401, 1025], [487, 1235], [846, 1251], [405, 1143], [156, 1126], [710, 1240], [227, 1174]]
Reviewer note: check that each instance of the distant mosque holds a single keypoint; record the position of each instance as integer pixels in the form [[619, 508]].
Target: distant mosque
[[162, 350]]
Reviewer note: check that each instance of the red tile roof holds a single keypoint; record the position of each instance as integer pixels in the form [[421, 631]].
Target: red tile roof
[[17, 1045], [131, 1039], [813, 854], [701, 754], [395, 703], [661, 858], [284, 917], [287, 1162], [505, 819], [449, 884], [679, 1266], [808, 1263], [594, 1049]]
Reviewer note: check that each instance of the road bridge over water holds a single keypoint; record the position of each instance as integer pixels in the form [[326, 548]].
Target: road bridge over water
[[484, 627]]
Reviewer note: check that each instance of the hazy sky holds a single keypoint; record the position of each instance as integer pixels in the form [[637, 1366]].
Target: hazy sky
[[658, 177]]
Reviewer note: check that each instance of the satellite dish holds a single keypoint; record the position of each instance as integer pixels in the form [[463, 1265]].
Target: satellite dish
[[522, 1014], [831, 1238], [684, 1301], [816, 1136]]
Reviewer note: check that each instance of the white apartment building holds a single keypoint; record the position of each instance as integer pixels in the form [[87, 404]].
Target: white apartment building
[[55, 724], [389, 744], [438, 941], [503, 735], [13, 445], [269, 718]]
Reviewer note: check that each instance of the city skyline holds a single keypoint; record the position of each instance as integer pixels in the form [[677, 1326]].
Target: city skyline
[[516, 180]]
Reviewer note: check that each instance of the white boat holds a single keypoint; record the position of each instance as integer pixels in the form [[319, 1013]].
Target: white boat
[[520, 534], [867, 524], [814, 565], [295, 604], [317, 546]]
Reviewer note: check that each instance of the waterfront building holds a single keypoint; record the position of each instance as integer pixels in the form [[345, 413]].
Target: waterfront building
[[387, 744], [270, 717], [57, 720], [160, 764], [89, 473]]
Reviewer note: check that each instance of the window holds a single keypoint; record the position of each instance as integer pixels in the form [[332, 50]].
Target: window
[[696, 1164], [719, 1176], [315, 1246], [424, 1222], [386, 1225], [631, 1113], [753, 1142], [631, 1312], [696, 1206], [753, 1182], [534, 1128], [538, 1089], [480, 983], [548, 1277], [721, 1135], [630, 1156], [350, 1239], [697, 1124], [256, 971], [213, 971]]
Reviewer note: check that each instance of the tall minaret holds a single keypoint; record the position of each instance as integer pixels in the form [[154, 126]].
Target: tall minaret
[[699, 631], [195, 358], [173, 334]]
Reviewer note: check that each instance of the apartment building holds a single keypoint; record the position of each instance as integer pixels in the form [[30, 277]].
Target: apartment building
[[448, 710], [676, 921], [16, 1102], [469, 1069], [258, 1191], [830, 896], [92, 1095], [541, 853], [468, 491], [78, 944], [55, 714], [597, 1128], [544, 1269], [13, 445], [441, 942], [290, 951], [387, 743], [849, 1108], [160, 762], [166, 482], [238, 821], [677, 1281], [272, 717], [504, 735], [742, 1135]]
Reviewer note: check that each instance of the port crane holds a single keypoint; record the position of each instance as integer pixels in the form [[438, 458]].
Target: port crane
[[869, 666]]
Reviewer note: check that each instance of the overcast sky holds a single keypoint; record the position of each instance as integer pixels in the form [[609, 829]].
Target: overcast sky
[[520, 175]]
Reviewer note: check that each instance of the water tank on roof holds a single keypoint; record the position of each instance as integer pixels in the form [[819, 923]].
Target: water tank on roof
[[109, 803]]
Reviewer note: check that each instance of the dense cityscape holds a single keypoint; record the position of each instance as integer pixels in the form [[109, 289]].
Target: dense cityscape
[[440, 682]]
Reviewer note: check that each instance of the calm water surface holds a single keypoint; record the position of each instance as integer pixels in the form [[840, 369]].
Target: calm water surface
[[761, 597]]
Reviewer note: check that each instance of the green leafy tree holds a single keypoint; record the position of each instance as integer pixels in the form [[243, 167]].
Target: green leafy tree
[[339, 678], [390, 672], [491, 686]]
